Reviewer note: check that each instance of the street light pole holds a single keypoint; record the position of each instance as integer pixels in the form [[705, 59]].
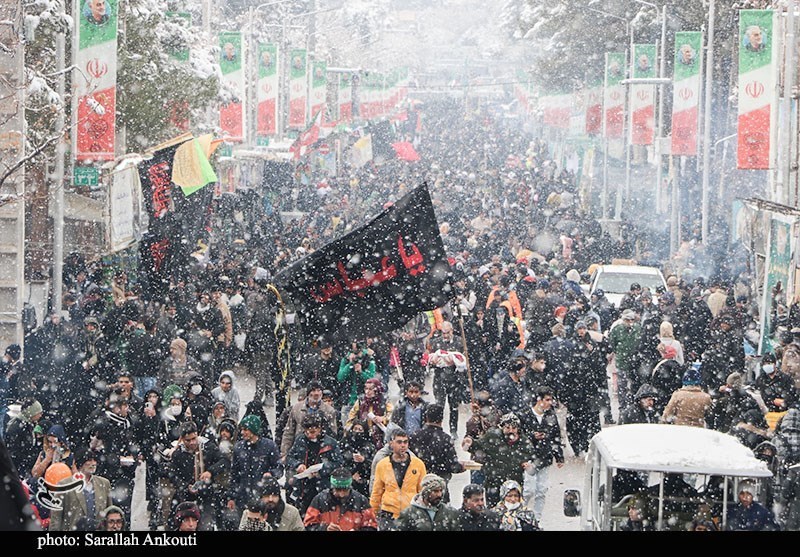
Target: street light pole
[[707, 118], [660, 121], [785, 143], [618, 204]]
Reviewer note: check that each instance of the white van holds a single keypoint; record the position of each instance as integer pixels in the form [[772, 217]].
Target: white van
[[615, 280], [675, 468]]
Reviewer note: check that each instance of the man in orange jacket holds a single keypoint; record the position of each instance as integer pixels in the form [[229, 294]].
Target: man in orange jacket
[[398, 478]]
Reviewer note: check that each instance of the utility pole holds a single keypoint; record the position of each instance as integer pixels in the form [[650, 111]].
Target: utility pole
[[785, 131], [57, 184]]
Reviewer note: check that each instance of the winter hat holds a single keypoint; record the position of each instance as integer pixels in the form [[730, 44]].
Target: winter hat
[[691, 377], [544, 284], [270, 486], [227, 425], [510, 419], [342, 478], [187, 509], [170, 392], [14, 351], [581, 325], [431, 482], [734, 380], [599, 292], [507, 486], [748, 487], [252, 423], [28, 412], [111, 509], [629, 314], [667, 298], [646, 391], [670, 352], [574, 275]]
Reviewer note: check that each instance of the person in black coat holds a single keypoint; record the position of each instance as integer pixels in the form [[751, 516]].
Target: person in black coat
[[583, 386], [473, 515], [644, 410], [667, 377], [357, 452], [776, 387], [509, 389], [193, 469], [435, 447], [558, 352], [724, 354]]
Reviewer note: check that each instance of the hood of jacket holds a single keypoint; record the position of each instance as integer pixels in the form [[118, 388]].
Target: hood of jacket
[[229, 374]]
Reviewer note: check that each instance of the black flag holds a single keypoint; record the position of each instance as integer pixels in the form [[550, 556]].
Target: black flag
[[376, 278]]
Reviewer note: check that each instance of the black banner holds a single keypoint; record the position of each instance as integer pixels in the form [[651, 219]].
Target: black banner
[[376, 278], [176, 223]]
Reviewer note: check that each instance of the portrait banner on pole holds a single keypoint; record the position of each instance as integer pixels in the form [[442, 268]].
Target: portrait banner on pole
[[686, 92]]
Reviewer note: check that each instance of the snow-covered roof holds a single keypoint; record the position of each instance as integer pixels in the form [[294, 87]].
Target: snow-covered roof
[[679, 449]]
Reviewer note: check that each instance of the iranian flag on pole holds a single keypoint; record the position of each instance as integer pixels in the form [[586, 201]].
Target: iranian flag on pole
[[686, 92], [319, 84], [758, 48], [643, 96], [267, 90], [614, 98], [231, 113], [298, 89], [96, 59], [594, 110], [345, 99]]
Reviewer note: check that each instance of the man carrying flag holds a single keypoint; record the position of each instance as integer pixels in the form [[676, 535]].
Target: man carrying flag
[[376, 278]]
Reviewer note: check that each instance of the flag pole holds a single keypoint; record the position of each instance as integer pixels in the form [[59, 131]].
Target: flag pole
[[466, 355]]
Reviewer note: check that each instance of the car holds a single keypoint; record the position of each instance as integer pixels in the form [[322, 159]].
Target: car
[[673, 468], [615, 280]]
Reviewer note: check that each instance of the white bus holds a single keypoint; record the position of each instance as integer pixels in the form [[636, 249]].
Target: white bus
[[675, 468]]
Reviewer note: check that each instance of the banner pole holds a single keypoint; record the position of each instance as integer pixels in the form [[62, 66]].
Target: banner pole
[[466, 356]]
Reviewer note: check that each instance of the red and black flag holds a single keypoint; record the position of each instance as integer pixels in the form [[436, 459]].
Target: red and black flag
[[176, 222], [376, 278]]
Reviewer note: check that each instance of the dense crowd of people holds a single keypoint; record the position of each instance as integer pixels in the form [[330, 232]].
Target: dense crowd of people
[[118, 380]]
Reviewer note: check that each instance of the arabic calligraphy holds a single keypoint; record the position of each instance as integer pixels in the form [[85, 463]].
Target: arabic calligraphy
[[358, 282]]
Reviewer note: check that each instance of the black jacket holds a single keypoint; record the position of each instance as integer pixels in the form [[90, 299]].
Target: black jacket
[[180, 470], [435, 448], [780, 385], [549, 448], [487, 521]]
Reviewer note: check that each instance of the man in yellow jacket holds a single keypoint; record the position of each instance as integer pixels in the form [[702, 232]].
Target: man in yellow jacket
[[398, 478]]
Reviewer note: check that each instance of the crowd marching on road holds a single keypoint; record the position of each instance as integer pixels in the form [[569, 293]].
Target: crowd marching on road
[[127, 380]]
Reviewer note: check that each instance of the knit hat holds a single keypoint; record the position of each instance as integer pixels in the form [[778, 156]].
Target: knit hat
[[580, 325], [431, 482], [507, 486], [252, 423], [34, 407], [748, 487], [691, 377], [510, 419], [342, 478], [734, 379], [629, 314], [14, 351], [170, 392], [670, 352], [187, 509], [270, 486]]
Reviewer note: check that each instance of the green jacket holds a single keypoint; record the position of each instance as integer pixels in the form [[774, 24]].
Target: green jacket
[[415, 518], [624, 342], [356, 380], [500, 460]]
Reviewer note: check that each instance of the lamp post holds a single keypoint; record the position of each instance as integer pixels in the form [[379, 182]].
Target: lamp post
[[618, 203], [707, 118], [660, 121]]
